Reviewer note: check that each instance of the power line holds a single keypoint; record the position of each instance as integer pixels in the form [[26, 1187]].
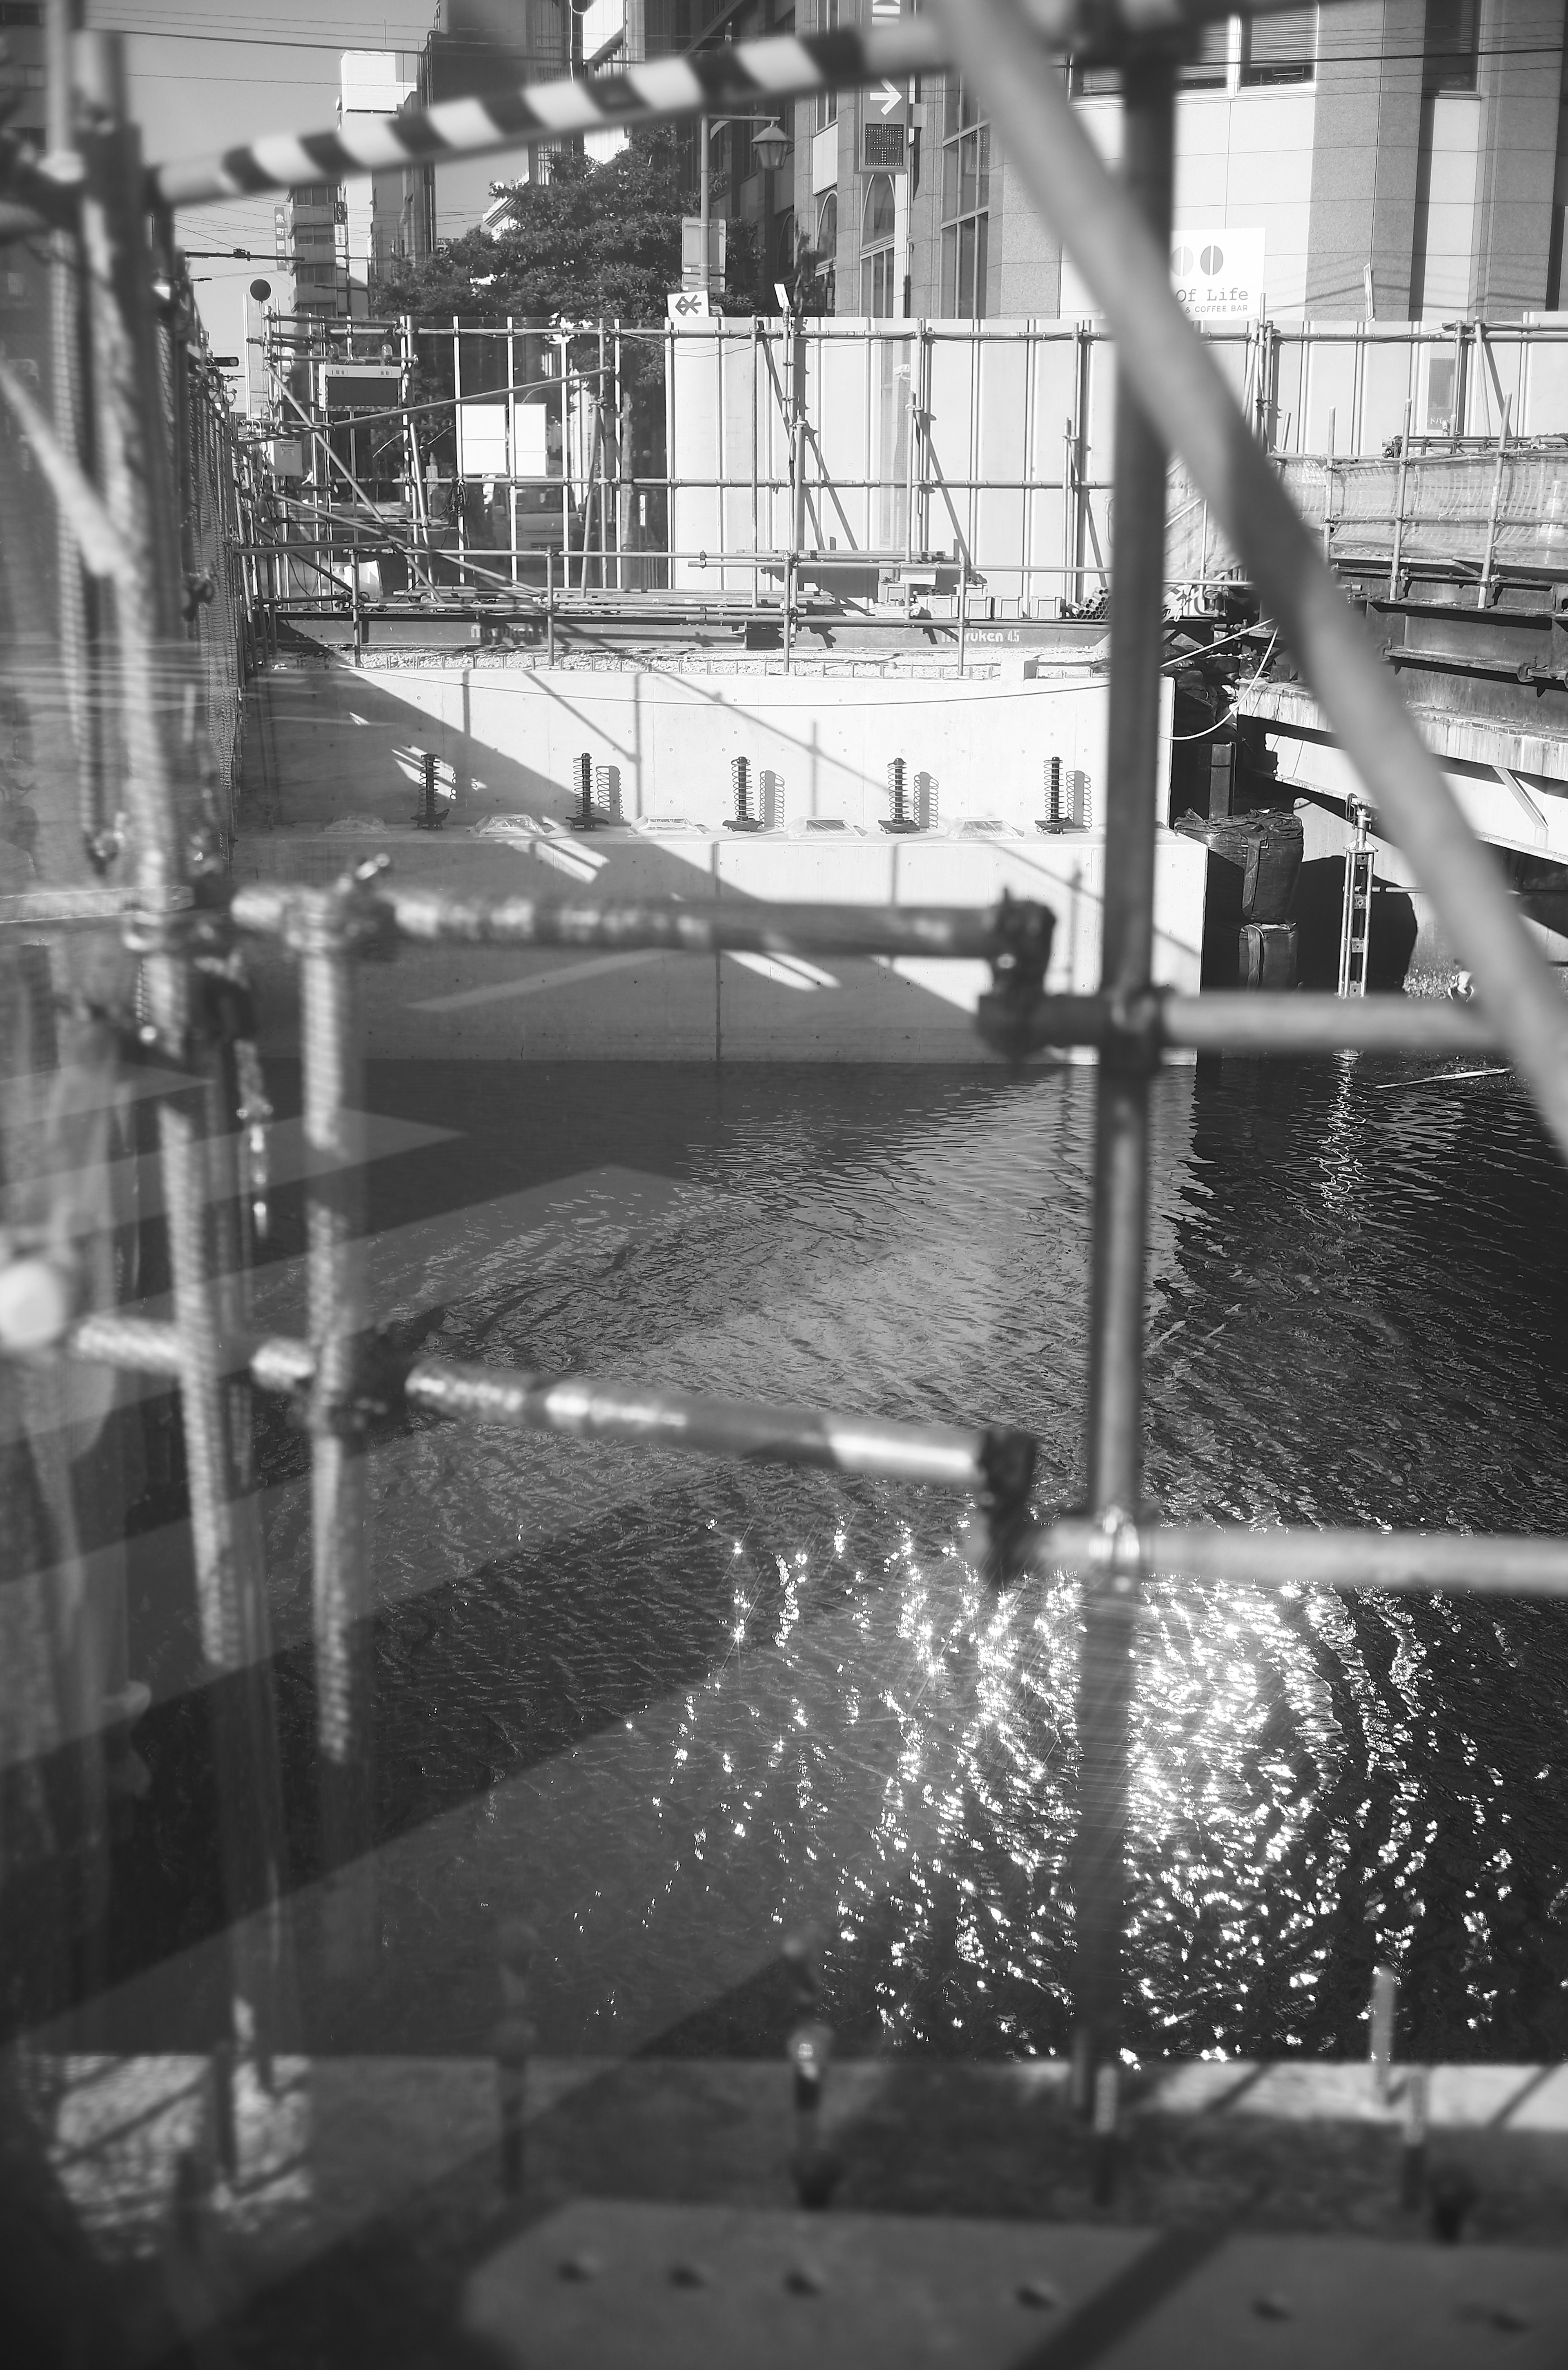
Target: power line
[[257, 40]]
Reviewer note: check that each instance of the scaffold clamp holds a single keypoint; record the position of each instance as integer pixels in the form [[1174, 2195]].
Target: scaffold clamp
[[1023, 931], [1006, 1461]]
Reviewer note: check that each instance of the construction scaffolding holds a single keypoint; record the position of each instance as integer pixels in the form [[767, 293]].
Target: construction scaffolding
[[182, 1048], [934, 469]]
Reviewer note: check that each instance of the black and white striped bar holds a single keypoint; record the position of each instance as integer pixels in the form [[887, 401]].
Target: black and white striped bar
[[737, 74]]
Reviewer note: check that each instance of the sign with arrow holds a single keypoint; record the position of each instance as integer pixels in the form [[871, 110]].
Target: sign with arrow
[[885, 108], [688, 305]]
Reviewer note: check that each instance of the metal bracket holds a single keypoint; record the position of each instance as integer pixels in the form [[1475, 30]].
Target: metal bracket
[[1007, 1460], [1134, 1031], [1023, 931], [345, 919], [1118, 1560]]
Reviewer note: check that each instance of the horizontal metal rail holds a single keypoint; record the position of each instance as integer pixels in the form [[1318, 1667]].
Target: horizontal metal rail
[[585, 1409], [1463, 1562], [432, 917], [667, 90], [1234, 1021], [946, 1457]]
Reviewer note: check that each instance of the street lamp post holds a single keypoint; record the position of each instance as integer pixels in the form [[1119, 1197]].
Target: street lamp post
[[769, 147]]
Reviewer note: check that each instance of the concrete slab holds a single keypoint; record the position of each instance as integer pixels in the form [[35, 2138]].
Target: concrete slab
[[608, 2285], [1359, 2304]]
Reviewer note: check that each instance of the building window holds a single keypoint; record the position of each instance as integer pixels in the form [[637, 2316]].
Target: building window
[[1279, 49], [878, 216], [827, 249], [827, 22], [1210, 70], [1239, 53], [966, 196], [1452, 46]]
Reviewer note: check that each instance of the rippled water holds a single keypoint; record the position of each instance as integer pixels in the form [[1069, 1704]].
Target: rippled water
[[670, 1709]]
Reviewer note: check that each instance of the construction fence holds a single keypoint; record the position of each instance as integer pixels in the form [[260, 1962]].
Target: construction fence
[[849, 457]]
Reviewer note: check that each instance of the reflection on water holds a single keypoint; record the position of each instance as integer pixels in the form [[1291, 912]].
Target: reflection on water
[[670, 1709]]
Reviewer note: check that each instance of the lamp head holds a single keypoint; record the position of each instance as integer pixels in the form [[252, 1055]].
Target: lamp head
[[770, 147]]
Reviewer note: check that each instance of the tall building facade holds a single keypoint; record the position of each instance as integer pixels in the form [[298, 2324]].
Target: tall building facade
[[1399, 159], [312, 248], [23, 79], [389, 217]]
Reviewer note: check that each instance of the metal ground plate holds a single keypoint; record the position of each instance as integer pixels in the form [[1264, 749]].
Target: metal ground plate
[[612, 2286], [618, 2285]]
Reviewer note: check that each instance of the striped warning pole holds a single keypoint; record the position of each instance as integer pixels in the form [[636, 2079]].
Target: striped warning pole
[[705, 82], [736, 75]]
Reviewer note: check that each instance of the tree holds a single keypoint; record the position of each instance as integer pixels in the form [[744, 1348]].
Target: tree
[[594, 242]]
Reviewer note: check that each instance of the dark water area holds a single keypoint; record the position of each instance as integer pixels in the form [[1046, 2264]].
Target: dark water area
[[670, 1709]]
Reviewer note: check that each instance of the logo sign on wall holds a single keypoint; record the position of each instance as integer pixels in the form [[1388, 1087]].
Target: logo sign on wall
[[1219, 274]]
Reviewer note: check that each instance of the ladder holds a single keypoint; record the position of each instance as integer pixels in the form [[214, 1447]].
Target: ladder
[[1355, 918]]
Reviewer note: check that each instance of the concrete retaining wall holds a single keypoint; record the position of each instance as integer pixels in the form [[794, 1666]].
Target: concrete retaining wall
[[462, 1003], [334, 759], [340, 742]]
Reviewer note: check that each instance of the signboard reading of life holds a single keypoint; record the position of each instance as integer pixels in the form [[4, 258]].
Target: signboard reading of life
[[1219, 274]]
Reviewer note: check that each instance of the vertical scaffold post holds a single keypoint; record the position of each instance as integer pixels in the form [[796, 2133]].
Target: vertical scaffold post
[[68, 402], [330, 930], [1120, 1187], [1395, 551], [162, 805]]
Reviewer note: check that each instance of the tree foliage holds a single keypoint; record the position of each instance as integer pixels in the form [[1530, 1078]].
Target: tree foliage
[[594, 242]]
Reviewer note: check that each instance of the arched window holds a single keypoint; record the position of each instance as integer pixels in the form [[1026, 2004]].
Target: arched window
[[878, 216], [827, 250]]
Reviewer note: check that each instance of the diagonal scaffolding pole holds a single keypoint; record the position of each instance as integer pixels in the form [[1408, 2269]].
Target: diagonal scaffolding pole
[[1164, 358]]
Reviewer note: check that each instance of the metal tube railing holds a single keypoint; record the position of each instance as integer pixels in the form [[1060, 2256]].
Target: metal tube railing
[[432, 917], [1489, 1564], [944, 1456], [941, 1456]]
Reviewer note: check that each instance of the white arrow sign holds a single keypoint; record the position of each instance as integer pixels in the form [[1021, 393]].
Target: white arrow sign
[[887, 98]]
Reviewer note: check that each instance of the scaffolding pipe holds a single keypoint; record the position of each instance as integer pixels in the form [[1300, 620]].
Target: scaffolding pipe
[[588, 1409], [1461, 1562], [154, 668], [1114, 1458], [1233, 1021], [325, 934], [1162, 356], [432, 917], [945, 1457]]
